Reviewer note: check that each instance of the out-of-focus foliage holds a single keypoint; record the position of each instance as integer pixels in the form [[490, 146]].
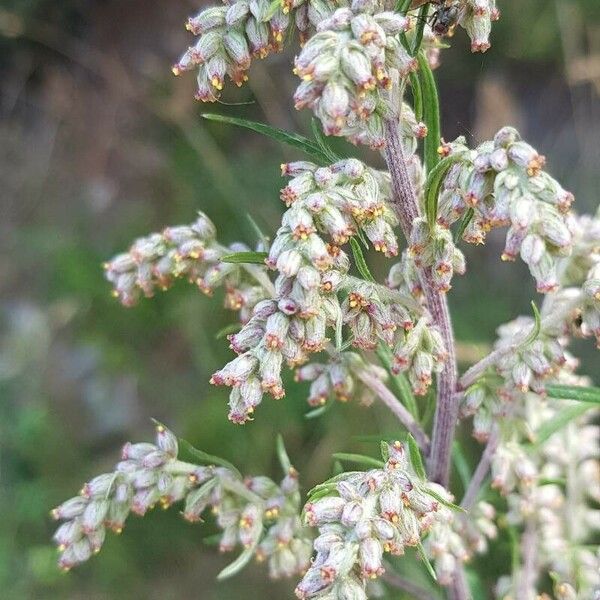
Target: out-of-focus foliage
[[100, 145]]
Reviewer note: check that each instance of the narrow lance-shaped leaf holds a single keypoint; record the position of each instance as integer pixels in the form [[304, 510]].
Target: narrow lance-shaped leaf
[[415, 457], [248, 258], [282, 455], [280, 135], [537, 327], [570, 392], [361, 263], [208, 459], [431, 112], [559, 421], [359, 459], [426, 562], [239, 563]]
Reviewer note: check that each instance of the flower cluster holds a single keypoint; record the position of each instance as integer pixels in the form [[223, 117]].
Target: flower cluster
[[339, 378], [362, 515], [433, 247], [454, 538], [335, 201], [190, 251], [503, 183], [476, 16], [228, 37], [564, 479], [255, 513], [348, 67]]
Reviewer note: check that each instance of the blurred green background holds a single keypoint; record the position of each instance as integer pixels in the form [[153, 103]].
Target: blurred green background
[[98, 145]]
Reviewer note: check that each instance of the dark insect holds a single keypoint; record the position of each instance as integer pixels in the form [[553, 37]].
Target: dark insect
[[445, 16]]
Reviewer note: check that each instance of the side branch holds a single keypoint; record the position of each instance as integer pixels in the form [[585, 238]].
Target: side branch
[[480, 472], [390, 400]]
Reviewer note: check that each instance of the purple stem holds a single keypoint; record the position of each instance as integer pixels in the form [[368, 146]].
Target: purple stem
[[406, 206]]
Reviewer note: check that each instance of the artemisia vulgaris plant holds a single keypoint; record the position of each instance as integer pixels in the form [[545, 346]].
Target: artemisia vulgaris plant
[[365, 71]]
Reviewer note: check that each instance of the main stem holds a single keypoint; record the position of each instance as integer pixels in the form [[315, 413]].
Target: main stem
[[406, 207]]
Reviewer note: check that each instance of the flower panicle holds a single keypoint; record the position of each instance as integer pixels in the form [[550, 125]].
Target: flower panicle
[[327, 206], [190, 251], [367, 515], [504, 183], [253, 512]]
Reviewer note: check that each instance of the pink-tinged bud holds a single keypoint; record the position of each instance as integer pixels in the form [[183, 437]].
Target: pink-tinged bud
[[167, 441], [237, 48], [326, 510], [136, 452], [352, 513], [409, 528], [397, 456], [357, 67], [68, 533], [392, 23], [311, 584], [236, 14], [100, 486], [390, 503], [532, 249], [383, 529], [236, 371], [526, 157], [270, 374], [371, 553], [521, 376], [553, 228], [93, 515], [335, 102], [522, 212], [206, 20], [258, 36]]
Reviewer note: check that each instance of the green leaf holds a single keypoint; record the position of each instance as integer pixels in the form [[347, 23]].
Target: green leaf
[[535, 332], [435, 179], [273, 8], [559, 421], [402, 6], [282, 455], [206, 458], [359, 459], [466, 220], [421, 20], [431, 112], [384, 449], [426, 562], [415, 457], [322, 142], [571, 392], [239, 563], [317, 412], [443, 500], [225, 331], [280, 135], [359, 260], [417, 94], [248, 258]]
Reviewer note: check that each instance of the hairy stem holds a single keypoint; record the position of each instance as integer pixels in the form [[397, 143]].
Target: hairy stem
[[406, 207], [390, 400]]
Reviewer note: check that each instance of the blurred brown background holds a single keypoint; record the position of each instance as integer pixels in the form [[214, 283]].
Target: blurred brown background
[[100, 144]]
